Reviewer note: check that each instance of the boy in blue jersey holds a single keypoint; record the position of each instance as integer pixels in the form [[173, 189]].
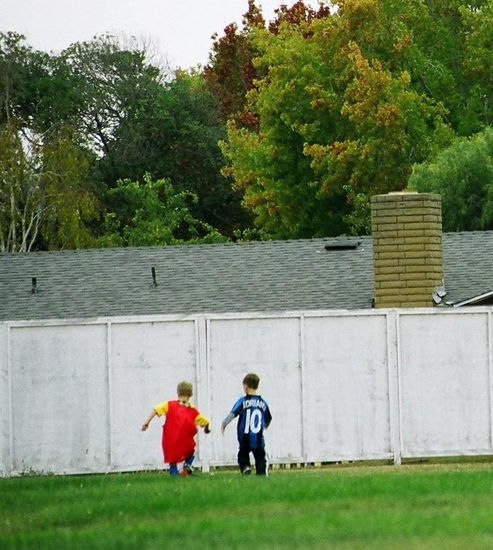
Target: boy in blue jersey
[[254, 417]]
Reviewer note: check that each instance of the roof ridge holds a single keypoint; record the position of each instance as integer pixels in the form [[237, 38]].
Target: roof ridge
[[220, 245]]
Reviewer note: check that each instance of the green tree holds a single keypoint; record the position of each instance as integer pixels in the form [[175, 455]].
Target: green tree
[[151, 213], [35, 88], [23, 202], [44, 198], [21, 68], [139, 120], [449, 63], [112, 85], [176, 137], [74, 207], [463, 175], [44, 167], [478, 22], [99, 113]]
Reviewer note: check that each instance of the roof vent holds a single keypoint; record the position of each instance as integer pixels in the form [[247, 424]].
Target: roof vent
[[439, 294], [343, 245]]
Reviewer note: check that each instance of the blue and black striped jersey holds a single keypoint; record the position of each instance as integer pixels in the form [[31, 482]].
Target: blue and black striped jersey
[[254, 416]]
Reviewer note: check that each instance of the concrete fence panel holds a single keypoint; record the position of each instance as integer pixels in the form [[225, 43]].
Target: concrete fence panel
[[346, 388], [59, 399], [445, 384], [269, 347], [146, 361]]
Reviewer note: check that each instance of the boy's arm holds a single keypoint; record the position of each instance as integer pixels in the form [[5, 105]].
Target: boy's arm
[[268, 417], [226, 421], [158, 410], [145, 425], [203, 422], [235, 411]]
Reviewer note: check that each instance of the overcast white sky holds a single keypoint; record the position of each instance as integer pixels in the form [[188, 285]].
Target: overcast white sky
[[181, 30]]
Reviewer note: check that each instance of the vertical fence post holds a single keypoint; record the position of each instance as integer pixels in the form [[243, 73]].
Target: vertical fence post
[[9, 401], [394, 385], [5, 403], [303, 386], [203, 383], [109, 386], [490, 372]]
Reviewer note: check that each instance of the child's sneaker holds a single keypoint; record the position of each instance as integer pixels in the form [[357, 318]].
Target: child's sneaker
[[246, 471], [187, 470]]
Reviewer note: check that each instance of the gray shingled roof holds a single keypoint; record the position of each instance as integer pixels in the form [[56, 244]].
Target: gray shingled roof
[[217, 278], [468, 265]]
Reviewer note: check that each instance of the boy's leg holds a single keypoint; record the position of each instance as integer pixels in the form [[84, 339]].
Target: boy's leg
[[244, 456], [173, 469], [260, 461], [187, 466]]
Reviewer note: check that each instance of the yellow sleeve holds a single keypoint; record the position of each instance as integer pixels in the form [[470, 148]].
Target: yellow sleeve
[[162, 408], [202, 421]]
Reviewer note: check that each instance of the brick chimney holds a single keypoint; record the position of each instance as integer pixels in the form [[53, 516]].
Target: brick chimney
[[407, 248]]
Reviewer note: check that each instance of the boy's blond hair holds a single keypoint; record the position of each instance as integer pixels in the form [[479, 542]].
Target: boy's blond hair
[[251, 380], [184, 389]]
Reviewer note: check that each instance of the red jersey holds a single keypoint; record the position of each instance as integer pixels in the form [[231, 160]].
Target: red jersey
[[179, 429]]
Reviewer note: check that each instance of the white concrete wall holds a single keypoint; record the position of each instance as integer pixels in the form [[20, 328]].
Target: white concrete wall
[[446, 384], [346, 388], [341, 386], [59, 398]]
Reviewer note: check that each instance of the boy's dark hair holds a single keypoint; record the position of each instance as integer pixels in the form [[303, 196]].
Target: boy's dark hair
[[251, 380], [185, 389]]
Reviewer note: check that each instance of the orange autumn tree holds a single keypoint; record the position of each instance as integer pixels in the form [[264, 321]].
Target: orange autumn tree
[[339, 118], [390, 128]]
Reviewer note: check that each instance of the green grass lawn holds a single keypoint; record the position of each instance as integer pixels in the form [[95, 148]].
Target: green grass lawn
[[447, 506]]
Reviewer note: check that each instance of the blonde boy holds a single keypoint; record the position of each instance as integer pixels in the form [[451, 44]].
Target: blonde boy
[[179, 429]]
